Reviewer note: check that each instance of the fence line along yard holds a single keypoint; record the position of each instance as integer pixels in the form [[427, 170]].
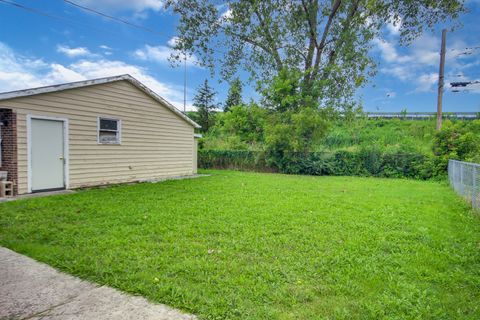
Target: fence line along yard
[[465, 179]]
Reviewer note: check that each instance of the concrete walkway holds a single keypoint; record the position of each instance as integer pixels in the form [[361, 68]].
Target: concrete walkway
[[33, 290]]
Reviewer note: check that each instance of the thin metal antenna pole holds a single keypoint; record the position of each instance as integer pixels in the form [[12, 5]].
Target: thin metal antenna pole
[[185, 83]]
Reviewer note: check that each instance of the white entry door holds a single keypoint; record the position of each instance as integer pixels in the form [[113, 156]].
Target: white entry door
[[47, 155]]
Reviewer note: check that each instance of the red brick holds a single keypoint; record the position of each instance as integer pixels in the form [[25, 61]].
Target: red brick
[[9, 146]]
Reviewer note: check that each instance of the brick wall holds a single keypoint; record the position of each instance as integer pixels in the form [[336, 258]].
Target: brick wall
[[9, 146]]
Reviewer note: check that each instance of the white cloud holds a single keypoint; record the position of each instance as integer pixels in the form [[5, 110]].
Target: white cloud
[[13, 67], [106, 49], [73, 52], [393, 27], [389, 52], [152, 53], [426, 50], [173, 41], [160, 54], [400, 72], [137, 6], [227, 15], [19, 72], [425, 82], [61, 74]]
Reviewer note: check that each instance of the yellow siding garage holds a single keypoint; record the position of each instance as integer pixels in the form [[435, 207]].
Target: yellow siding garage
[[156, 141]]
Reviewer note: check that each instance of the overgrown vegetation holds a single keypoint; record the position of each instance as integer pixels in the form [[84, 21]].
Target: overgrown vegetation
[[308, 59], [458, 140], [243, 129], [255, 138], [366, 162], [239, 245]]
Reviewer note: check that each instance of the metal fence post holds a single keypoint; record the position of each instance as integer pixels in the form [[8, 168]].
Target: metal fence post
[[461, 180], [474, 186], [456, 174]]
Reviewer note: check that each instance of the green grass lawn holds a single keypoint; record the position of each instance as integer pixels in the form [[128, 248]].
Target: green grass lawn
[[265, 246]]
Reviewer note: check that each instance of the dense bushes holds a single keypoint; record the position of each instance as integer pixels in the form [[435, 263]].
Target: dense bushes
[[362, 163], [232, 159], [389, 135], [290, 133], [247, 128], [241, 128], [458, 140]]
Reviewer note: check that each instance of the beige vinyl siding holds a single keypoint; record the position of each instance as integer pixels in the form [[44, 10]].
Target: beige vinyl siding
[[155, 142], [195, 154]]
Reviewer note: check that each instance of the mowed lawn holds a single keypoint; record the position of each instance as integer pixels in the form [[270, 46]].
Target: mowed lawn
[[238, 245]]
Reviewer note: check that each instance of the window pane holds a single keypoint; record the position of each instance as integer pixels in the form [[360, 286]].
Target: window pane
[[107, 137], [108, 124]]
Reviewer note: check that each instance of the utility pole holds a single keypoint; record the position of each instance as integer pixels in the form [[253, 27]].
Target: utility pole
[[441, 76]]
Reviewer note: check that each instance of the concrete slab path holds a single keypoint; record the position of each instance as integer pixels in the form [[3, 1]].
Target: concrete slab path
[[33, 290]]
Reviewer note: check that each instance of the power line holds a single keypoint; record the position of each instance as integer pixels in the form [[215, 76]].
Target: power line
[[462, 91], [59, 18], [463, 83], [464, 76], [64, 19], [137, 26], [468, 51], [33, 10], [128, 23], [462, 86], [115, 18], [467, 48]]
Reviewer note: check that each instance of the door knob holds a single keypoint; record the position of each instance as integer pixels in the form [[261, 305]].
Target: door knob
[[61, 158]]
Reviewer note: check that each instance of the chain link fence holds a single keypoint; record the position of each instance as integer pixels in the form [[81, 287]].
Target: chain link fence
[[465, 179]]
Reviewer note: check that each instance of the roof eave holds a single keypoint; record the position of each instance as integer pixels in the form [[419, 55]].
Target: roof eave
[[85, 83]]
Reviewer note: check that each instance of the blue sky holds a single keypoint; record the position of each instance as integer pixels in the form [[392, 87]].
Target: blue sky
[[72, 45]]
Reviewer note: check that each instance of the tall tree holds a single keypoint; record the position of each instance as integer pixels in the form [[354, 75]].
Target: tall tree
[[204, 101], [326, 41], [234, 97]]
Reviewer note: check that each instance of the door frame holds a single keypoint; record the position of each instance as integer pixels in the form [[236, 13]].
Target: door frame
[[66, 153]]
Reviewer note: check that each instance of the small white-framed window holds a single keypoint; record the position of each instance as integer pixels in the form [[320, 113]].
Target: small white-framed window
[[109, 130]]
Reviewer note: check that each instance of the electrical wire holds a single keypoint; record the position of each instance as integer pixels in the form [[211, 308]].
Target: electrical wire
[[60, 18], [128, 23], [33, 10], [469, 51]]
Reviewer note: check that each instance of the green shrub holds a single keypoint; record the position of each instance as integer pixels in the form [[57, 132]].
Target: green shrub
[[389, 136], [232, 159], [367, 162], [458, 140], [345, 163]]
